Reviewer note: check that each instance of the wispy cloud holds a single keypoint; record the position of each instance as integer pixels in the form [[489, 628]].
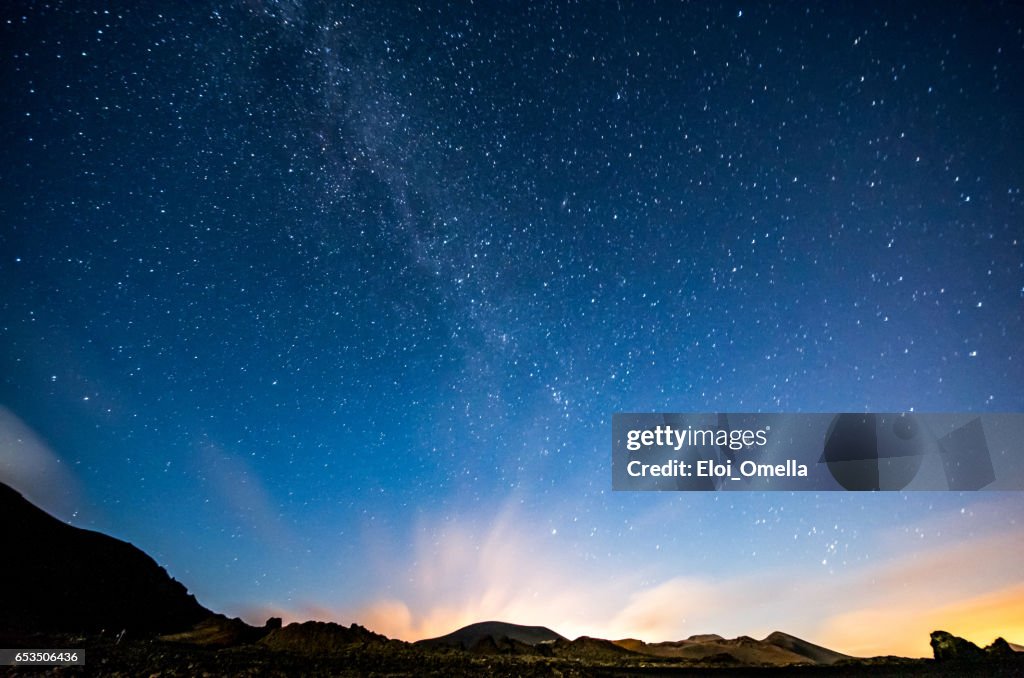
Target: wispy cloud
[[29, 465], [237, 486], [462, 573]]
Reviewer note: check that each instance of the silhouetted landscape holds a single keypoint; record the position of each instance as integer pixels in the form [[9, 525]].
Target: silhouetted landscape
[[74, 588], [68, 578]]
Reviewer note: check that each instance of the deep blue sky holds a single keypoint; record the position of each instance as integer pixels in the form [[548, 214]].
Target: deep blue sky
[[328, 308]]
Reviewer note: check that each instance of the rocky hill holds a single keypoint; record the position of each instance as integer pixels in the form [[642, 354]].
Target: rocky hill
[[57, 577], [777, 649], [469, 636]]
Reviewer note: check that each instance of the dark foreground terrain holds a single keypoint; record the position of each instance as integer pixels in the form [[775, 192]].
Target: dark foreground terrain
[[154, 657]]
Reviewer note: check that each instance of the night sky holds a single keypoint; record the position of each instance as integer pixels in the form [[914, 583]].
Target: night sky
[[328, 306]]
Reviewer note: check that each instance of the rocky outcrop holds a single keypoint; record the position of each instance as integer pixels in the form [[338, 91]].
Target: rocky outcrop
[[947, 647]]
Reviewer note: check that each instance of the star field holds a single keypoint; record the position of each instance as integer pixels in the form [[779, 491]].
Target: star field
[[328, 306]]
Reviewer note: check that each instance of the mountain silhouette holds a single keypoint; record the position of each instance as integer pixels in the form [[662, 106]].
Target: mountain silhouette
[[778, 649], [470, 636], [57, 577]]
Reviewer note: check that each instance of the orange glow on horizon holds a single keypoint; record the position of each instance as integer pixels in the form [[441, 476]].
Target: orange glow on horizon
[[980, 619], [509, 573]]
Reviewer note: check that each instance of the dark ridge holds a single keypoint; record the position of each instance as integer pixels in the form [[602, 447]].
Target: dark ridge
[[57, 577], [314, 637], [488, 645], [220, 631], [592, 649]]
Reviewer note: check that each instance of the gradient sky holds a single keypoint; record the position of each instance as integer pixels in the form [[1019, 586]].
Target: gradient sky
[[327, 308]]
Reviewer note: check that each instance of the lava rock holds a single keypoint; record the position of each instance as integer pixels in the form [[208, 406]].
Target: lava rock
[[947, 647]]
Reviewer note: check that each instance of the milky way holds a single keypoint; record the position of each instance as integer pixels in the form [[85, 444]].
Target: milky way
[[328, 307]]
